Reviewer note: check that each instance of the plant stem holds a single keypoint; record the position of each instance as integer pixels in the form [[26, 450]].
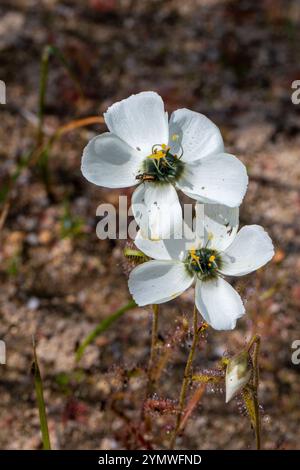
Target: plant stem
[[186, 377], [255, 344], [40, 401], [153, 348], [255, 394], [255, 339]]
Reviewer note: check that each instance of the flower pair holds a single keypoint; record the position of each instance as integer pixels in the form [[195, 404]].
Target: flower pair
[[186, 153]]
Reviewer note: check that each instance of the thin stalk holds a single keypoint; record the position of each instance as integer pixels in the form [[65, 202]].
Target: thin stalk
[[255, 339], [153, 348], [255, 394], [186, 377], [255, 345], [40, 401]]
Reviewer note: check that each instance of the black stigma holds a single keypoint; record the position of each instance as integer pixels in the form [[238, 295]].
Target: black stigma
[[165, 170], [204, 268]]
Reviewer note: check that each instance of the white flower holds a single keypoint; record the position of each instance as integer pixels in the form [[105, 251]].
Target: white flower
[[221, 251], [143, 148]]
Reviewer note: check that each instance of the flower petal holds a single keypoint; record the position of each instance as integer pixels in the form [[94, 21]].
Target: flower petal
[[139, 120], [216, 225], [161, 249], [157, 210], [251, 249], [156, 282], [108, 161], [215, 179], [197, 135], [219, 304]]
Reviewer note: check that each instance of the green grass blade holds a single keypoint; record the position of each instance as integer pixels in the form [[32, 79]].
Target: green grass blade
[[40, 401], [103, 326]]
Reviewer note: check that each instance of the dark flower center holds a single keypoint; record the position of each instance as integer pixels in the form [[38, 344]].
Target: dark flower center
[[205, 263], [161, 166]]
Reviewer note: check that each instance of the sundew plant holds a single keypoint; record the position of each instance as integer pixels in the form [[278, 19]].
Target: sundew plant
[[149, 228], [165, 158]]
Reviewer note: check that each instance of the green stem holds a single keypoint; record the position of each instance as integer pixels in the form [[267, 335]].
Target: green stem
[[102, 327], [255, 394], [186, 377], [40, 401], [255, 345]]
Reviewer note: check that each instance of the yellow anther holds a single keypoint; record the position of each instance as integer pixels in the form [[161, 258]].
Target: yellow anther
[[165, 147], [210, 236], [212, 258], [193, 255], [158, 154], [209, 265], [175, 137]]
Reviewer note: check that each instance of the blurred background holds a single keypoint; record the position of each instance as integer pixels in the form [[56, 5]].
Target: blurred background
[[233, 60]]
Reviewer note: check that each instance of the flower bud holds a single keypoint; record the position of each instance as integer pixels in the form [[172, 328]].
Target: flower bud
[[238, 374]]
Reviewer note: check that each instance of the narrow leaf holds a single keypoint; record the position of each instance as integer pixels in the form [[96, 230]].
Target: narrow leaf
[[40, 401]]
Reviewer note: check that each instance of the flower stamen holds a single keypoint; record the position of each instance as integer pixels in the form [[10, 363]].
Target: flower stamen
[[161, 165], [204, 262]]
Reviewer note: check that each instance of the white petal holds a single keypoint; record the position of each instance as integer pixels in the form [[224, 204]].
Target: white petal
[[197, 134], [139, 120], [215, 179], [219, 304], [157, 210], [156, 282], [161, 249], [108, 161], [250, 250], [216, 225]]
